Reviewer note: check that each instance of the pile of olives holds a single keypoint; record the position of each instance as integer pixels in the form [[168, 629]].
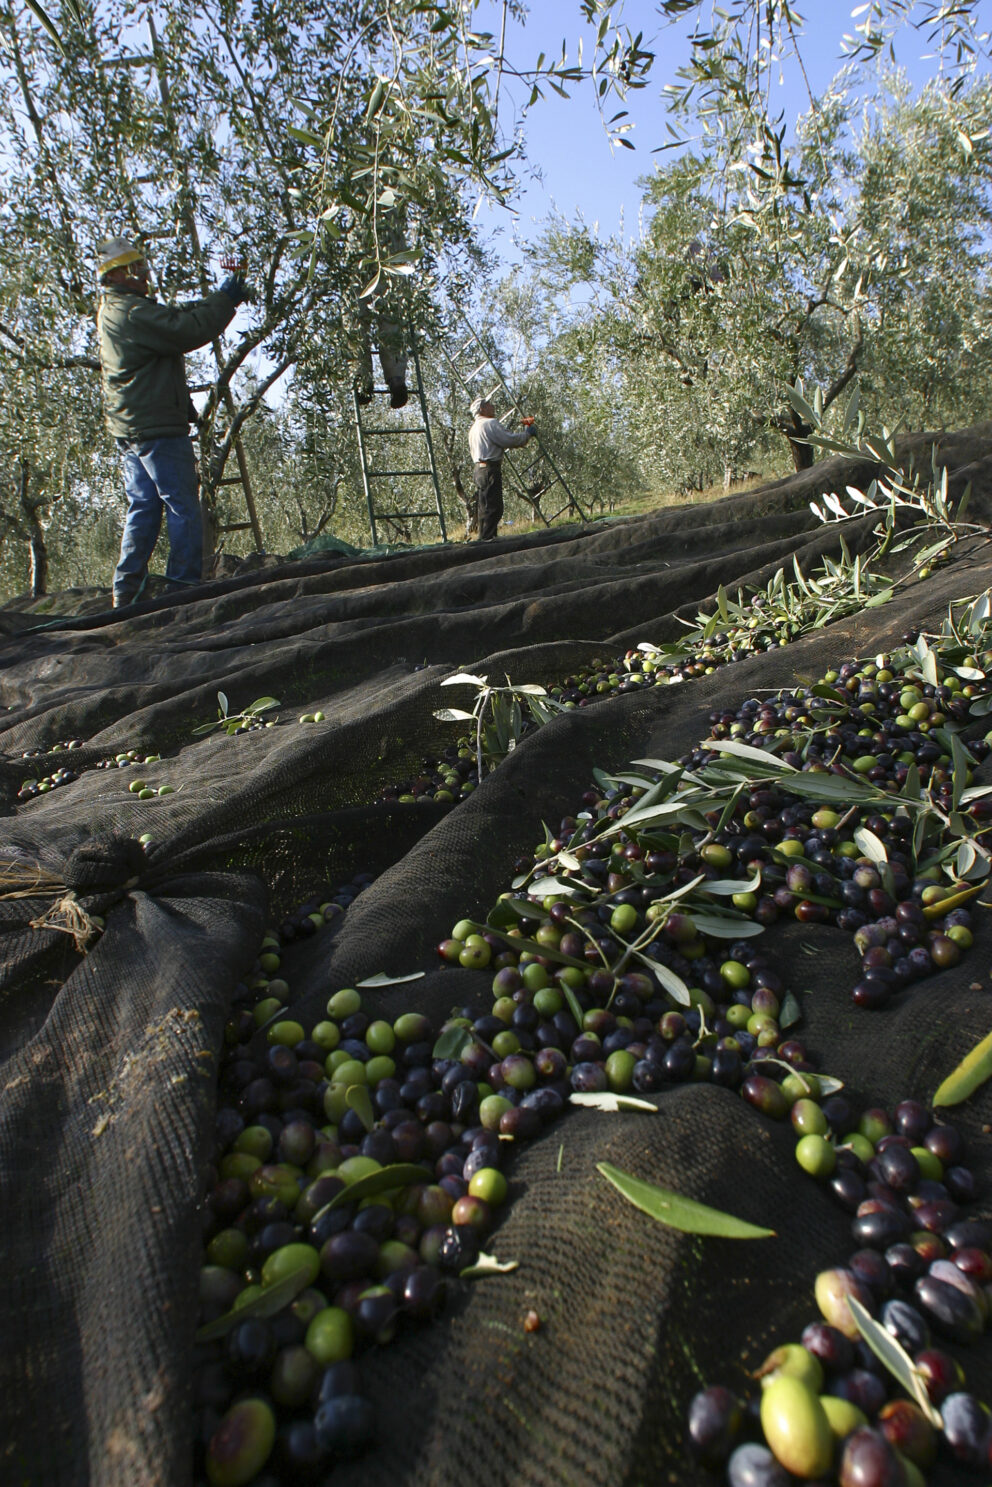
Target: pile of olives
[[451, 777], [827, 1409], [33, 787], [454, 774], [361, 1106], [30, 788], [906, 922], [126, 759], [359, 1164]]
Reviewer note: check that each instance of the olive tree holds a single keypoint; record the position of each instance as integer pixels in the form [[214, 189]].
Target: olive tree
[[873, 270]]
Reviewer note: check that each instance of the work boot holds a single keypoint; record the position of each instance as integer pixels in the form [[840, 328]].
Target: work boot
[[398, 395]]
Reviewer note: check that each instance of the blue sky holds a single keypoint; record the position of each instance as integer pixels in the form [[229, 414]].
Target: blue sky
[[566, 141]]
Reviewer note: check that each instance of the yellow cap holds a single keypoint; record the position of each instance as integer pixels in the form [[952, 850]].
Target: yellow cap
[[116, 253]]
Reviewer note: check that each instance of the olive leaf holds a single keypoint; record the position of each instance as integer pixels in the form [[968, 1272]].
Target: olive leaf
[[670, 980], [548, 951], [381, 979], [399, 1175], [357, 1098], [726, 886], [610, 1102], [945, 905], [869, 845], [488, 1265], [273, 1299], [453, 715], [830, 694], [542, 887], [305, 136], [43, 17], [452, 1042], [893, 1356], [747, 751], [574, 1005], [790, 1011], [831, 788], [728, 928], [972, 1072], [761, 1057], [677, 1212]]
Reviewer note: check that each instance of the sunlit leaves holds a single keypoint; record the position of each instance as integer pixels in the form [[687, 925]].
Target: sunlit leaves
[[677, 1212], [974, 1070]]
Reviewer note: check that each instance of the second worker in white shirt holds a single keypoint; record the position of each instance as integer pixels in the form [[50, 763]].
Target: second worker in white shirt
[[488, 441]]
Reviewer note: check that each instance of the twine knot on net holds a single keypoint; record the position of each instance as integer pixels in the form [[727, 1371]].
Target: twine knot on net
[[108, 866]]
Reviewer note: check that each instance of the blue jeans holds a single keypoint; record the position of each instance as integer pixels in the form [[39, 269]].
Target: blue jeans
[[159, 473]]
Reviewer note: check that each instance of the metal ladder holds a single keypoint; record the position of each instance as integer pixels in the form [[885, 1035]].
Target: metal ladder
[[466, 380], [398, 431]]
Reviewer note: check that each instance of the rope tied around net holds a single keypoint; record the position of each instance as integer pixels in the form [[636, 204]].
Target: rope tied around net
[[106, 868]]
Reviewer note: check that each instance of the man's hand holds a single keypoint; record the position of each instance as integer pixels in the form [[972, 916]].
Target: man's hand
[[236, 289]]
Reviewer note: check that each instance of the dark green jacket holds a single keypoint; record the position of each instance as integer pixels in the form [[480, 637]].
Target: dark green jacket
[[141, 353]]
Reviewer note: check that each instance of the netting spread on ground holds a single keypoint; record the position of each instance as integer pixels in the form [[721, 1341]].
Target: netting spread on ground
[[109, 1059]]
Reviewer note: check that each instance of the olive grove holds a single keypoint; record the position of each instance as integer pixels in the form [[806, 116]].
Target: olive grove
[[873, 273], [341, 152]]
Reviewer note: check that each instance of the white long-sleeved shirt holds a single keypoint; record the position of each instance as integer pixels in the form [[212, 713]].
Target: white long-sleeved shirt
[[488, 439]]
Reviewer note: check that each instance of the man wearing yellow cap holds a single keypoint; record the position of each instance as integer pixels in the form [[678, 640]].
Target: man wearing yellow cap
[[148, 408]]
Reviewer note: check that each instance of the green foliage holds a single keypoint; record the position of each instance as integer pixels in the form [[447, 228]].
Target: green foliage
[[342, 154], [231, 723], [874, 264], [499, 715], [671, 1208]]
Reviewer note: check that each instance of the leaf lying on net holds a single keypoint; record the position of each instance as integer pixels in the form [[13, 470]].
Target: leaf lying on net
[[611, 1102], [272, 1300], [972, 1072], [893, 1356], [678, 1212], [381, 979], [488, 1265], [790, 1011]]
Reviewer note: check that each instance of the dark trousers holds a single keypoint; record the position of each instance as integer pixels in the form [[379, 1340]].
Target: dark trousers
[[489, 497]]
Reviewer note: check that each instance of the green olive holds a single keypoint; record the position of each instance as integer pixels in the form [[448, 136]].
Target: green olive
[[330, 1336]]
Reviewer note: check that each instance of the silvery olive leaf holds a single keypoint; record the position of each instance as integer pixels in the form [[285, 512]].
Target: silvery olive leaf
[[611, 1102]]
